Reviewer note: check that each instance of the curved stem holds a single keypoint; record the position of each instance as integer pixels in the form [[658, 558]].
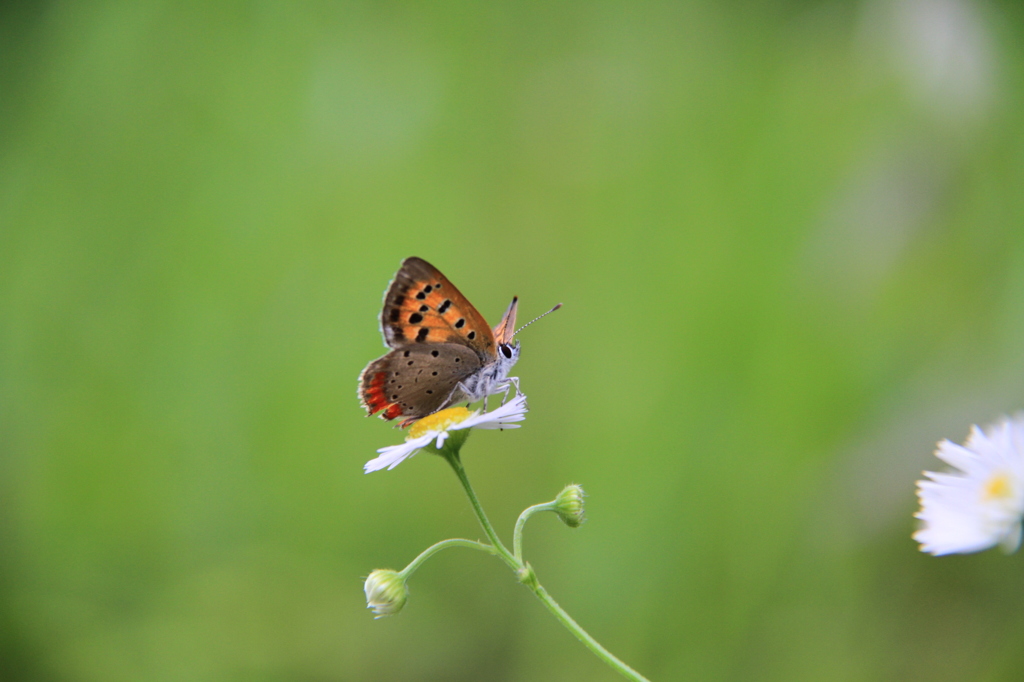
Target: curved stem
[[437, 547], [526, 575], [517, 534]]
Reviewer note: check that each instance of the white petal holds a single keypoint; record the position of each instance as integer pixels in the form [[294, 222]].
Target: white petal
[[502, 418], [957, 455], [393, 455]]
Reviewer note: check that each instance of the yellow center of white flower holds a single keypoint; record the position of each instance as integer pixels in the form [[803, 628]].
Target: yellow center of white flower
[[439, 421], [997, 488]]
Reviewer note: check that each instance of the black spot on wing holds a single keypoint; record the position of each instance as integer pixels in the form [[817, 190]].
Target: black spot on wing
[[415, 318], [444, 306], [421, 335]]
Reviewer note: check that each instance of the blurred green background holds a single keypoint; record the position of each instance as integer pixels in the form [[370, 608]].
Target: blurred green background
[[789, 237]]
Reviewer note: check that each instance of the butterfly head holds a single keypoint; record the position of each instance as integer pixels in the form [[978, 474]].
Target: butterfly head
[[508, 354], [504, 334], [508, 349]]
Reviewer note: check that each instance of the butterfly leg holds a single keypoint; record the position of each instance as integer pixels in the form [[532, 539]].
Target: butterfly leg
[[460, 388], [509, 383], [486, 397]]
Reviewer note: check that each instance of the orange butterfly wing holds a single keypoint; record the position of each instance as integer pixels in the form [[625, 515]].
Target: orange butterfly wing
[[422, 306], [506, 329]]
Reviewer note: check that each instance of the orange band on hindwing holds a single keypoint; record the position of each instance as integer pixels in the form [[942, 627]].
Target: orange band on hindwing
[[373, 393]]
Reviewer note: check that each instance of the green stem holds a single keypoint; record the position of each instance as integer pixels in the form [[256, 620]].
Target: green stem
[[506, 556], [526, 575], [437, 547], [517, 534]]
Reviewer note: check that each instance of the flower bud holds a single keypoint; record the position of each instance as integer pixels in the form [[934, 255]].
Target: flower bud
[[385, 592], [569, 506]]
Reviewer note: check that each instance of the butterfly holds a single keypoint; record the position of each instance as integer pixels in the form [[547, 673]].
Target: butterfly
[[443, 351]]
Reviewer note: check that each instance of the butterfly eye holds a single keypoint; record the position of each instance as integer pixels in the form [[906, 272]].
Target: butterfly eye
[[506, 351]]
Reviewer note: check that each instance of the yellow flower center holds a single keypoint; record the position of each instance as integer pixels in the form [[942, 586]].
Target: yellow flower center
[[997, 487], [439, 421]]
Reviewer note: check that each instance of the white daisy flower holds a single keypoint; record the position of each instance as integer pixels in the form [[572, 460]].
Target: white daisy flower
[[980, 503], [435, 429]]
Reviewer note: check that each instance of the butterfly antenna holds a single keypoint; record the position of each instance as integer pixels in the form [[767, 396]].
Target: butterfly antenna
[[535, 319]]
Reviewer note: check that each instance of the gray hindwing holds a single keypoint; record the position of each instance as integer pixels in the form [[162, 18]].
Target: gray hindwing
[[423, 379]]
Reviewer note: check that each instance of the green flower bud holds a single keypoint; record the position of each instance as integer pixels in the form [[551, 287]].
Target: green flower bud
[[569, 506], [385, 592]]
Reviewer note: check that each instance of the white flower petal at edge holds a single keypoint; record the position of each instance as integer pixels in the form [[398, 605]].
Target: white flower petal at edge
[[435, 428], [980, 503]]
